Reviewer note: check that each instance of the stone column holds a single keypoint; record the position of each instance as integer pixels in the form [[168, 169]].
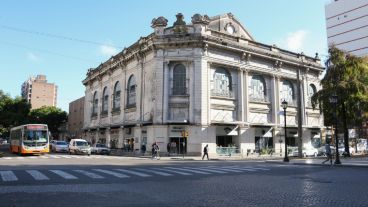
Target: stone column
[[166, 91], [241, 95], [246, 96], [275, 100], [107, 135]]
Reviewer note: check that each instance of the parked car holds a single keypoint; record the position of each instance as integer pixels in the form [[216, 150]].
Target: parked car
[[310, 152], [3, 141], [79, 146], [60, 146], [52, 142], [100, 149]]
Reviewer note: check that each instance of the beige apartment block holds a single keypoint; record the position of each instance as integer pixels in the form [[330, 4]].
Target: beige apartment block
[[76, 118], [204, 82], [38, 92]]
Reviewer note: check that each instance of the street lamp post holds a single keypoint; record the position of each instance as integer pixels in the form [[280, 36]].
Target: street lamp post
[[284, 105], [333, 100]]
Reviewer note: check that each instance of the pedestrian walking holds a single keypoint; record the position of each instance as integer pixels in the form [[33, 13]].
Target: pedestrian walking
[[168, 147], [328, 153], [143, 149], [155, 150], [205, 152]]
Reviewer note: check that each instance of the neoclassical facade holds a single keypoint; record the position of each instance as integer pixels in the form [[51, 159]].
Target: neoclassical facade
[[208, 82]]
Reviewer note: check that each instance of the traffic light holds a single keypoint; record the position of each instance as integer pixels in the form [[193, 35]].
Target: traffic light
[[184, 133]]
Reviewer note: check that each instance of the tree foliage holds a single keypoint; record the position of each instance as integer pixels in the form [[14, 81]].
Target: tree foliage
[[50, 115], [16, 111], [346, 77], [13, 112]]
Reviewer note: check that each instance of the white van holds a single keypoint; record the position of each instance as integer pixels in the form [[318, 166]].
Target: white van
[[79, 146]]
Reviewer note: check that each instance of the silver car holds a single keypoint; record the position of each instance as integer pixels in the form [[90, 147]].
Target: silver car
[[100, 149], [60, 146]]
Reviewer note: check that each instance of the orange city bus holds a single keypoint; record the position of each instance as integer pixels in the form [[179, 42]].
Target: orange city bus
[[29, 139]]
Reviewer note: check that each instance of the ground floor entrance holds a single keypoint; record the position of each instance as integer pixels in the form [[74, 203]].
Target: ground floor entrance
[[177, 145]]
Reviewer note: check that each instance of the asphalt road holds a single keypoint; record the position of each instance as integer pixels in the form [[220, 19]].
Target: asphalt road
[[118, 181]]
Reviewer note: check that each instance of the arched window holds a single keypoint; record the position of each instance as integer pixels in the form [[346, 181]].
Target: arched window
[[257, 88], [287, 92], [131, 92], [311, 91], [105, 100], [116, 95], [179, 80], [222, 83], [95, 104]]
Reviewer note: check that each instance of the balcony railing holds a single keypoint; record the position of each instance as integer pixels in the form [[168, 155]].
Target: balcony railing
[[223, 93]]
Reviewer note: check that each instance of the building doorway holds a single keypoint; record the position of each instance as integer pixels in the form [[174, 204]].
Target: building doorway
[[263, 144], [224, 141], [178, 145]]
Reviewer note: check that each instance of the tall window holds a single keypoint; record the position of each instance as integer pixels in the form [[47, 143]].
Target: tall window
[[95, 104], [131, 92], [222, 83], [179, 80], [287, 92], [116, 100], [105, 100], [257, 89], [311, 91]]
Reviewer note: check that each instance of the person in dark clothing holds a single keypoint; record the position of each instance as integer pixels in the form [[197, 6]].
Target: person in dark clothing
[[205, 152], [143, 149], [168, 147]]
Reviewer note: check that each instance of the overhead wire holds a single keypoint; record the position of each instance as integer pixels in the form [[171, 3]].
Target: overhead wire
[[6, 27]]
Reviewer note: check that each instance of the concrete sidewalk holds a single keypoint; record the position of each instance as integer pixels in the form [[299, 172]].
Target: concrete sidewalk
[[361, 161]]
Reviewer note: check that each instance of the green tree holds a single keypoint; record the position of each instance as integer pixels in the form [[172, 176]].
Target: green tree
[[50, 115], [346, 77], [13, 112]]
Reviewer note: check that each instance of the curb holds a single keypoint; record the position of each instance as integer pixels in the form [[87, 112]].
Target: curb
[[318, 164]]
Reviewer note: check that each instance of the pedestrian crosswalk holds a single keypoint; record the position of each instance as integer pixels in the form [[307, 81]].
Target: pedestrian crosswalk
[[52, 156], [44, 175]]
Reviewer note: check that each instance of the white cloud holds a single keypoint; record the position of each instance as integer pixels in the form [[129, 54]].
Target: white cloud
[[295, 41], [108, 50], [32, 57]]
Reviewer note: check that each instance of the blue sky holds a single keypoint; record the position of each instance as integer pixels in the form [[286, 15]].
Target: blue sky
[[62, 39]]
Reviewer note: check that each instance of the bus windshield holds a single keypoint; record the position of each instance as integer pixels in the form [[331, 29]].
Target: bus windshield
[[35, 135]]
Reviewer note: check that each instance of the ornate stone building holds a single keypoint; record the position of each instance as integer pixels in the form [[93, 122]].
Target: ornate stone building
[[208, 82]]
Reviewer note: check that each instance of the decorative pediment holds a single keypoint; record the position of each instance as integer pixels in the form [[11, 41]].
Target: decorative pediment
[[228, 24]]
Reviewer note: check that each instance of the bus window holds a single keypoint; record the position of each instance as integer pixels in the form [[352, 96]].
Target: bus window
[[36, 135]]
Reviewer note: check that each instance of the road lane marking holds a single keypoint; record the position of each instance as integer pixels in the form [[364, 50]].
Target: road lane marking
[[228, 169], [8, 176], [189, 170], [109, 172], [154, 172], [55, 156], [173, 171], [211, 170], [66, 156], [63, 174], [37, 175], [134, 173], [89, 174], [248, 168]]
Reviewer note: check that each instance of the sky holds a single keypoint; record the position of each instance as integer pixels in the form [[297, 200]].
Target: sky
[[63, 39]]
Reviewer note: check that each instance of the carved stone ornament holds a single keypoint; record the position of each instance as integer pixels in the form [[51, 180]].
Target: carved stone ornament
[[246, 56], [278, 64], [199, 19], [159, 22], [180, 25]]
